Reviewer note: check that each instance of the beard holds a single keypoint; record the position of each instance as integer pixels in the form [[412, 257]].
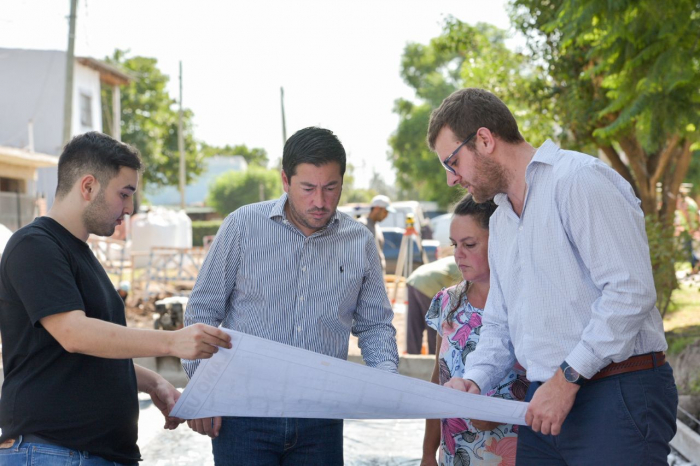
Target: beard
[[96, 217], [306, 220], [490, 178]]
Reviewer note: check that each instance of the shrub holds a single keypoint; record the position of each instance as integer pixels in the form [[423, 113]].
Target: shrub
[[665, 251], [232, 190], [202, 228]]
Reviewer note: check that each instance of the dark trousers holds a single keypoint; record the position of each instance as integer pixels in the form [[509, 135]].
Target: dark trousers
[[627, 419], [418, 305], [259, 441]]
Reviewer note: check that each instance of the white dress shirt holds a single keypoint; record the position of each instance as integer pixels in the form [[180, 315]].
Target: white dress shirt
[[570, 278]]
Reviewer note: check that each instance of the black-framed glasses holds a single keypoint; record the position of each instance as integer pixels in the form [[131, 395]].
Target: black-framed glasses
[[446, 162]]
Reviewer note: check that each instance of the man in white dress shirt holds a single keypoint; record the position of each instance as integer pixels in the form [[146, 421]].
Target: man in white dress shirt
[[572, 295]]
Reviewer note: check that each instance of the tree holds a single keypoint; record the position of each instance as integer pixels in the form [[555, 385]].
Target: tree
[[624, 77], [232, 190], [254, 157], [150, 121], [626, 74], [379, 186], [350, 193], [462, 56]]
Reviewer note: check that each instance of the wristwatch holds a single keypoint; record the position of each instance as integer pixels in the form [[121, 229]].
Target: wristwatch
[[572, 375]]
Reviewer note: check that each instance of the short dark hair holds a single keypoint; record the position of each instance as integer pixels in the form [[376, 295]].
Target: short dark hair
[[467, 110], [317, 146], [96, 154], [480, 211]]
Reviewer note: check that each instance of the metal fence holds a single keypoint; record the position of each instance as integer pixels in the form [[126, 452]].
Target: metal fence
[[17, 210]]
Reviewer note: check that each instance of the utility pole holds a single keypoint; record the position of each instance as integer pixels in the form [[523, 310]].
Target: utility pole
[[181, 146], [284, 123], [70, 64]]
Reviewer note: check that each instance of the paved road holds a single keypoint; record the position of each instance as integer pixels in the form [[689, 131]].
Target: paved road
[[369, 442]]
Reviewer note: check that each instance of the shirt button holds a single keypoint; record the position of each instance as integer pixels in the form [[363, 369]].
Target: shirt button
[[303, 269], [301, 298], [299, 328], [520, 228]]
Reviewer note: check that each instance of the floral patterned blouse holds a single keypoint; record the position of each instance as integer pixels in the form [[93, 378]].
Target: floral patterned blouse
[[461, 443]]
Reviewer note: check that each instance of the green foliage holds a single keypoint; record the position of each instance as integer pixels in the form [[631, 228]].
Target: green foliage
[[676, 344], [665, 251], [352, 195], [254, 157], [463, 56], [624, 76], [232, 190], [150, 121], [202, 228], [693, 175]]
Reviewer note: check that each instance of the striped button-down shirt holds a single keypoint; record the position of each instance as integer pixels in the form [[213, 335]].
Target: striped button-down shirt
[[264, 277], [570, 278]]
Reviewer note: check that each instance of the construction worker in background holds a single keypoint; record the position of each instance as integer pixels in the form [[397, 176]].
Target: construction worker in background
[[380, 207], [424, 283]]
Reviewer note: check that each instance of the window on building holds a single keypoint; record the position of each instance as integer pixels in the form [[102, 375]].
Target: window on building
[[86, 110], [11, 185]]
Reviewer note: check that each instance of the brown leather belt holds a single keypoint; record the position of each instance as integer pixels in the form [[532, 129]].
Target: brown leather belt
[[635, 363]]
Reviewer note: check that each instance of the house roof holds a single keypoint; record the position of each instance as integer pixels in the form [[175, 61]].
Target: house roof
[[14, 156], [108, 74]]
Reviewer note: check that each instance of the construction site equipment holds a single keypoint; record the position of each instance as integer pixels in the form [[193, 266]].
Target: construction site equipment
[[113, 254], [176, 268], [170, 313], [404, 263]]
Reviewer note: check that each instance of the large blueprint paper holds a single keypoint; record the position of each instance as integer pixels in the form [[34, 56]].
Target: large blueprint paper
[[262, 378]]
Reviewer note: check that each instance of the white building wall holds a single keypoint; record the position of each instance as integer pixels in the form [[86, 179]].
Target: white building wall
[[86, 81]]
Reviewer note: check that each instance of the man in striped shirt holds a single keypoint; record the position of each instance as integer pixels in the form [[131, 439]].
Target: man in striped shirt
[[296, 271], [572, 295]]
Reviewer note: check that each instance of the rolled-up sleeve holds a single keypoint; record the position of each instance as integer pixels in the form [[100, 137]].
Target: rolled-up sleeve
[[373, 317], [210, 300]]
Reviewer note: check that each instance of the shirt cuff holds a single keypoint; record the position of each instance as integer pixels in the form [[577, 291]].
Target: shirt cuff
[[480, 377], [586, 363], [388, 366]]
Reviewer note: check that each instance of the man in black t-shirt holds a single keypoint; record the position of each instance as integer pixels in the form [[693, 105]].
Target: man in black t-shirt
[[70, 384]]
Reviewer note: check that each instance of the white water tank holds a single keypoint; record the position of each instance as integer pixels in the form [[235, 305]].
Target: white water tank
[[160, 227]]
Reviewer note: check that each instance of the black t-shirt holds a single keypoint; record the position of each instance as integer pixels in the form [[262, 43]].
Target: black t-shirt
[[73, 400]]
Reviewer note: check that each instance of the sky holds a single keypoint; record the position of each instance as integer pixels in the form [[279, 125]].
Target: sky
[[338, 60]]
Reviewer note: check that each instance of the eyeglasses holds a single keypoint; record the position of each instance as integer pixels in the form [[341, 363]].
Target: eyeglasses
[[446, 162]]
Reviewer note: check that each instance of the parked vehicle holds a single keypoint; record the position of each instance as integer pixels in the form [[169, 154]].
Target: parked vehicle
[[398, 219], [392, 244], [441, 229]]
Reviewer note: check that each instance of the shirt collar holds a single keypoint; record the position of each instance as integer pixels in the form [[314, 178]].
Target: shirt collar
[[278, 208], [547, 154]]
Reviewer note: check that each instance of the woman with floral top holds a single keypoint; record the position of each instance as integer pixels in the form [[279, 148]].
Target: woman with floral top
[[456, 315]]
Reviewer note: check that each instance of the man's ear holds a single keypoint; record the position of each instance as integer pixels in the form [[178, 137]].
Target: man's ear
[[89, 187], [285, 182], [485, 140]]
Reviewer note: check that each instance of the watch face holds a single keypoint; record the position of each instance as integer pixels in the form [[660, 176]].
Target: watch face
[[571, 375]]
